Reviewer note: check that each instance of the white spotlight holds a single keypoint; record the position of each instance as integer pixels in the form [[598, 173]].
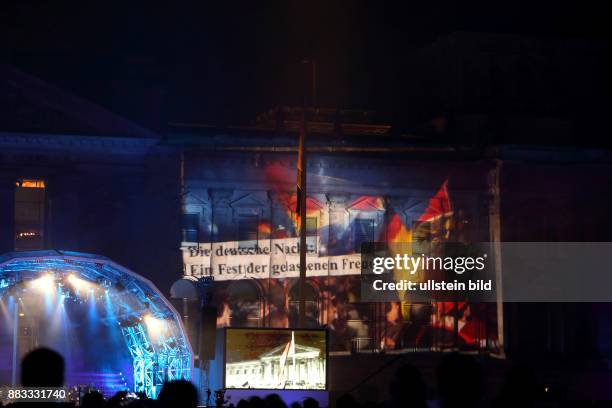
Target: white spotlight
[[78, 283], [156, 327], [43, 283]]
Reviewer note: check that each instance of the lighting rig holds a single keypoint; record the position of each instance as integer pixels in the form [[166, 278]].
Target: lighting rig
[[150, 327]]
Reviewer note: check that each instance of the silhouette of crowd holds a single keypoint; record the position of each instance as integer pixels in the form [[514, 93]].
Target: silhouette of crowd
[[460, 384]]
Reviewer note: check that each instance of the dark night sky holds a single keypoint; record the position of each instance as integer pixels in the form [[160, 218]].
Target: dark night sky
[[228, 61]]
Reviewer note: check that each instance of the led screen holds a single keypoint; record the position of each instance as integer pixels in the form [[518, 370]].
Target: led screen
[[275, 359]]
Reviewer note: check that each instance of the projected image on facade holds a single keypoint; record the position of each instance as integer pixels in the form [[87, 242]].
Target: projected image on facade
[[275, 359], [247, 241]]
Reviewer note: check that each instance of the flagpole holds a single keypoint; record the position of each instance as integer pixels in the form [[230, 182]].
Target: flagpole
[[301, 197]]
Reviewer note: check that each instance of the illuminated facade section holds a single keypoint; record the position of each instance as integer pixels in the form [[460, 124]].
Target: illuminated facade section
[[246, 238]]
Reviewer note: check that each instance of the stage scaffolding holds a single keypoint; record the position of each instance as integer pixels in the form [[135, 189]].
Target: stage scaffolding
[[89, 292]]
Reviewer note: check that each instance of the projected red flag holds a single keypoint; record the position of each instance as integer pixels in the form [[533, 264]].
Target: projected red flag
[[439, 205]]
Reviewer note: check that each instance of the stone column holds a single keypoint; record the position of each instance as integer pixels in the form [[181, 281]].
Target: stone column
[[338, 221], [495, 236], [223, 227], [278, 214], [395, 218]]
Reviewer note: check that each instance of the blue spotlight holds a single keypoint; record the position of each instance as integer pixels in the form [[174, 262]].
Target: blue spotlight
[[92, 313], [154, 349]]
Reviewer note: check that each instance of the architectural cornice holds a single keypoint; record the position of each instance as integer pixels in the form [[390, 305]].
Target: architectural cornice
[[48, 142], [220, 196]]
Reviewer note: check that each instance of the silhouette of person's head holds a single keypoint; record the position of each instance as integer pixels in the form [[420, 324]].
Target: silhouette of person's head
[[256, 402], [347, 401], [407, 388], [42, 368], [135, 404], [178, 393], [370, 404], [275, 401], [242, 404], [117, 399], [93, 399], [311, 403], [520, 388], [459, 381]]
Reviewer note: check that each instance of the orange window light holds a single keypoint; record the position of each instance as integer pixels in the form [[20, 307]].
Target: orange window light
[[31, 183]]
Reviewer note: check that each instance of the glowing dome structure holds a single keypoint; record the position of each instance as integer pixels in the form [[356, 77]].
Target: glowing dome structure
[[114, 328]]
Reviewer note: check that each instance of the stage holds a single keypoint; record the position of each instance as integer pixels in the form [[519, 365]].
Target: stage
[[114, 328]]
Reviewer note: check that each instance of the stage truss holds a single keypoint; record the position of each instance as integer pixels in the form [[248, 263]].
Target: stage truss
[[152, 330]]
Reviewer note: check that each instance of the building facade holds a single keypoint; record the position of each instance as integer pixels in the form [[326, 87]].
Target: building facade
[[239, 228], [75, 176], [219, 203]]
